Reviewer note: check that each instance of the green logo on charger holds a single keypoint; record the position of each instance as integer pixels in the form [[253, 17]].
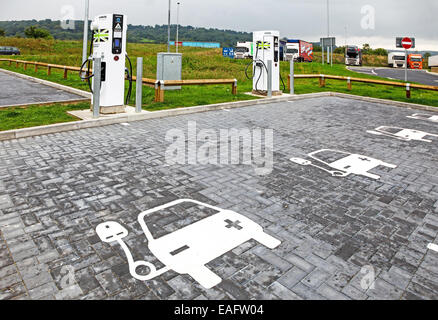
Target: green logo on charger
[[264, 45], [101, 36]]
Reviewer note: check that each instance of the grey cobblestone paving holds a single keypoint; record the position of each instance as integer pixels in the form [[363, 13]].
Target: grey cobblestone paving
[[56, 189]]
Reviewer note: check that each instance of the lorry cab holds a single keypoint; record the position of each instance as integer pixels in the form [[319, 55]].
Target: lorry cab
[[396, 60], [292, 51], [244, 50], [353, 56], [415, 61]]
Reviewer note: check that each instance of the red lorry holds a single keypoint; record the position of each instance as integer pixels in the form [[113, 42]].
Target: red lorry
[[415, 61]]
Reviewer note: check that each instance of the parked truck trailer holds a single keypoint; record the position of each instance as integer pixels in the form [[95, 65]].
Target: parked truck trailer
[[433, 62], [299, 50]]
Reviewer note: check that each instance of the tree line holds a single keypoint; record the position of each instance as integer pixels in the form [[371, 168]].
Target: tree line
[[137, 34]]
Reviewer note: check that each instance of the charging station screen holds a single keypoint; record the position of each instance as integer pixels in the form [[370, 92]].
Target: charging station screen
[[117, 43]]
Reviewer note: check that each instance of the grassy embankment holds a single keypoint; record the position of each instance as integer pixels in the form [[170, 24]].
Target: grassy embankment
[[197, 64]]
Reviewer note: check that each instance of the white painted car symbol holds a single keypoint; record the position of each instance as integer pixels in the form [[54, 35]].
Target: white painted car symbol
[[402, 134], [188, 250], [351, 164]]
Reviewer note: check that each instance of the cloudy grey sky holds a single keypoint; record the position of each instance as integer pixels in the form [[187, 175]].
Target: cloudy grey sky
[[305, 19]]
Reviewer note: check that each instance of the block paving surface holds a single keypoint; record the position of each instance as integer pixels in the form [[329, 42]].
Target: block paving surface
[[336, 233]]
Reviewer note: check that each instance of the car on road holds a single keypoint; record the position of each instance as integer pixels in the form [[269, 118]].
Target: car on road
[[9, 51]]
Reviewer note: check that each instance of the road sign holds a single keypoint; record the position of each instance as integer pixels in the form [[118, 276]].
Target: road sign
[[399, 41], [228, 52], [328, 42], [407, 43]]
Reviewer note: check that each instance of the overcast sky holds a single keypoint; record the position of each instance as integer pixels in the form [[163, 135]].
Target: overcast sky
[[305, 19]]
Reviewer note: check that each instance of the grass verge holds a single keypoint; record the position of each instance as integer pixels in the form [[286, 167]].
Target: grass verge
[[33, 116]]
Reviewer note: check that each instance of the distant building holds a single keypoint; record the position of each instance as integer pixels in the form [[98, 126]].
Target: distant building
[[198, 44]]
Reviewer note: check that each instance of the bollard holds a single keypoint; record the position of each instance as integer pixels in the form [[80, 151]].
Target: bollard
[[292, 76], [161, 90], [321, 81], [269, 79], [97, 65], [157, 91], [139, 88], [349, 83], [234, 89], [408, 90]]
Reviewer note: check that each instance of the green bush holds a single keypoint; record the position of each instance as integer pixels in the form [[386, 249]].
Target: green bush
[[37, 33]]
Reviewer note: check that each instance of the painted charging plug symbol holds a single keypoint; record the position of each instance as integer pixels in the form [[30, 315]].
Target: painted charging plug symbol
[[351, 164], [113, 231], [188, 250]]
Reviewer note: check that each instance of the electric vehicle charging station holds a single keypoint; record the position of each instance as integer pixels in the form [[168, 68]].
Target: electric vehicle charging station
[[109, 44], [266, 56]]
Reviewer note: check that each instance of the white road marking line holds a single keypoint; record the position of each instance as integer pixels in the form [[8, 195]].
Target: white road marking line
[[227, 110], [125, 124], [432, 247]]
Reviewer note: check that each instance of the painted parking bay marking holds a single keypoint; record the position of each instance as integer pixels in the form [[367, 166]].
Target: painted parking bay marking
[[402, 134], [188, 250], [349, 164], [426, 117]]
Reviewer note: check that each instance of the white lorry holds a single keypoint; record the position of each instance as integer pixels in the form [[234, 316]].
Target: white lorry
[[397, 60], [244, 50], [353, 56]]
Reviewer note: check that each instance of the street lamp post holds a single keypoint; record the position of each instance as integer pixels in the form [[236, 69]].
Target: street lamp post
[[85, 44], [328, 19], [328, 32], [177, 26], [168, 31]]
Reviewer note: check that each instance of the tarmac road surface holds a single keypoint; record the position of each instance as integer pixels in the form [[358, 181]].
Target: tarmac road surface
[[419, 76]]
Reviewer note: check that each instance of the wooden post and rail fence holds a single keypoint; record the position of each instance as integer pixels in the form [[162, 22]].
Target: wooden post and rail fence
[[159, 85], [349, 80]]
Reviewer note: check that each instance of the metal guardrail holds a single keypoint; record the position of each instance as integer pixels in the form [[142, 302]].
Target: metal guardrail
[[322, 82], [158, 85]]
